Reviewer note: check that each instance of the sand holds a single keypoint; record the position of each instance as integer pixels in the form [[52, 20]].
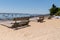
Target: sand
[[48, 30]]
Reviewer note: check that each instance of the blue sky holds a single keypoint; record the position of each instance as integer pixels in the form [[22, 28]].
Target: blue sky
[[27, 6]]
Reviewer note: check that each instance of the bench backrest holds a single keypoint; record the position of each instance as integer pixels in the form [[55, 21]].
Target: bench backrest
[[42, 17], [22, 18]]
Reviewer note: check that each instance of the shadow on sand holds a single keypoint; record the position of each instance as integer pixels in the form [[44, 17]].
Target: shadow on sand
[[17, 28]]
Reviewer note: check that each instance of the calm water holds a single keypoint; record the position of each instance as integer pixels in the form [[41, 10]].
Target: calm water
[[13, 15]]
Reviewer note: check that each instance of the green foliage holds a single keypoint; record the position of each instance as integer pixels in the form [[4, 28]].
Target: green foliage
[[53, 10], [58, 9], [58, 13]]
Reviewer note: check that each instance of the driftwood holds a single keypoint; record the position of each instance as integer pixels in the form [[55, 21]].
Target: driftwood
[[49, 17]]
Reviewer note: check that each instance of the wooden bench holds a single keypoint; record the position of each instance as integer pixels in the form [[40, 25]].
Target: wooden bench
[[23, 21], [41, 18]]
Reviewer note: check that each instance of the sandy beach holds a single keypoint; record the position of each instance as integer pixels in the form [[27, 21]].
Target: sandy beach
[[48, 30]]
